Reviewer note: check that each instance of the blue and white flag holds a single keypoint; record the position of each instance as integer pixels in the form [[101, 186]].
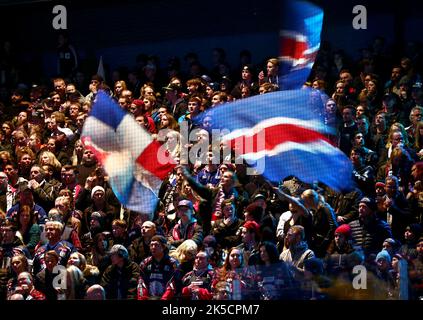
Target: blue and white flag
[[299, 42], [285, 132], [128, 153]]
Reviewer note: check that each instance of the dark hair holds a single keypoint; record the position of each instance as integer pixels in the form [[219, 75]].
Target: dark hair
[[162, 240], [272, 251]]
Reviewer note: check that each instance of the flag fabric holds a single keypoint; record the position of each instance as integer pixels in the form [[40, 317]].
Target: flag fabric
[[128, 153], [284, 130], [299, 42]]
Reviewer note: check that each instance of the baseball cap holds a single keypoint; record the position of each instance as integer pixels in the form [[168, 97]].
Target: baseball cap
[[185, 203], [370, 203], [68, 132], [172, 87]]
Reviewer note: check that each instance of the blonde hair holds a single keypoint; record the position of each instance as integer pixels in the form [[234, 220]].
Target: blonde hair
[[56, 225], [52, 160], [180, 253]]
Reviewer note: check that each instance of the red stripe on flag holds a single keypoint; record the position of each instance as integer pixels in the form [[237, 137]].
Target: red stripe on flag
[[148, 159], [274, 136], [290, 47]]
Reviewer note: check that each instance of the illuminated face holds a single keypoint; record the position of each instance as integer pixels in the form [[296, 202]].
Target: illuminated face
[[45, 159], [156, 248], [359, 111], [26, 160], [22, 117], [6, 129], [359, 140], [10, 171], [73, 110], [272, 70], [215, 100], [68, 176], [88, 156], [164, 121], [162, 112], [52, 233], [340, 87], [33, 141], [118, 231], [397, 139], [371, 86], [209, 91], [148, 230], [246, 74], [79, 148], [60, 86], [17, 265], [193, 106], [227, 179], [51, 145], [245, 92], [118, 88], [345, 77], [70, 88], [56, 100], [331, 106], [235, 259], [149, 91], [201, 261], [123, 103], [74, 260], [229, 211]]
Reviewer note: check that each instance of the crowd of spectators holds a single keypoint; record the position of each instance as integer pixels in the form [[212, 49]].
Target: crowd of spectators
[[218, 233]]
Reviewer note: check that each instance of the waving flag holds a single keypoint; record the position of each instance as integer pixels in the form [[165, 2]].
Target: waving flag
[[285, 131], [299, 42], [127, 152]]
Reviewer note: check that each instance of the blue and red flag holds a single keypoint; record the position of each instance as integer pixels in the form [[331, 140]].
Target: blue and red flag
[[299, 42], [284, 131], [130, 156]]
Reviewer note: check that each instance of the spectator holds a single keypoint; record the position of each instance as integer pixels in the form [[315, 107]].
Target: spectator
[[159, 273], [120, 278]]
